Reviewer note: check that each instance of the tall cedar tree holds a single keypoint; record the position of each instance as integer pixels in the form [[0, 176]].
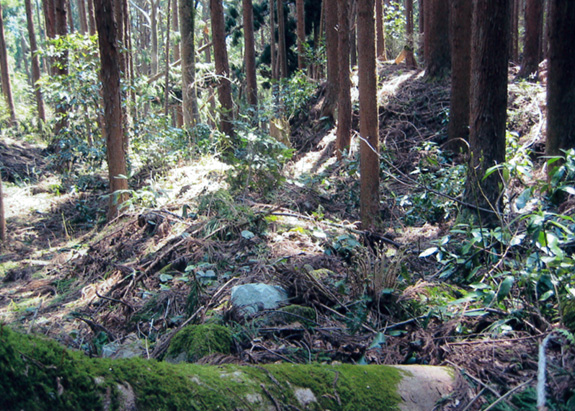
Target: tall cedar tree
[[6, 86], [91, 19], [380, 28], [282, 49], [437, 53], [331, 45], [488, 103], [110, 76], [344, 113], [533, 38], [560, 80], [300, 11], [189, 100], [250, 53], [34, 62], [461, 18], [409, 55], [514, 27], [222, 67], [3, 235], [82, 17], [273, 52], [368, 119]]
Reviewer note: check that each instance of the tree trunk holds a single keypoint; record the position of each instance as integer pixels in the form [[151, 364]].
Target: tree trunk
[[488, 103], [189, 98], [283, 66], [3, 235], [380, 27], [461, 19], [154, 38], [368, 118], [273, 52], [34, 369], [35, 63], [61, 63], [176, 28], [422, 11], [331, 44], [82, 17], [560, 80], [222, 67], [344, 112], [70, 17], [533, 38], [250, 53], [6, 86], [514, 27], [437, 55], [167, 61], [300, 10], [409, 49], [91, 19], [110, 75]]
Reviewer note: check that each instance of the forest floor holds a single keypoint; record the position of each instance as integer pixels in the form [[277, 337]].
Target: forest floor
[[102, 288]]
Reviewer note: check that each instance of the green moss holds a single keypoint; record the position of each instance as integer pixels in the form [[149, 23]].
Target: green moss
[[569, 314], [299, 313], [197, 341], [37, 374]]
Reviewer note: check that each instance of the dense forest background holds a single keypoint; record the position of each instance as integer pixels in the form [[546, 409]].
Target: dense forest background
[[402, 170]]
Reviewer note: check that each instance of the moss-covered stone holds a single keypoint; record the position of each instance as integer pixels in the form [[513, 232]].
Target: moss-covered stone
[[196, 341], [296, 313]]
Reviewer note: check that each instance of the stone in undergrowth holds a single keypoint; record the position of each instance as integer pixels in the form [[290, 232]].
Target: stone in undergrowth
[[249, 299], [194, 342]]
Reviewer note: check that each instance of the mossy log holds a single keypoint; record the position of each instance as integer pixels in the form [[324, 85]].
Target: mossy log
[[39, 374]]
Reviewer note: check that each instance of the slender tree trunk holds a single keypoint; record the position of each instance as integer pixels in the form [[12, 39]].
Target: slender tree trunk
[[190, 101], [167, 62], [282, 40], [35, 63], [410, 56], [91, 19], [70, 17], [344, 113], [514, 26], [6, 86], [82, 16], [488, 102], [331, 43], [547, 29], [250, 53], [437, 55], [422, 11], [380, 27], [176, 28], [3, 236], [274, 67], [560, 80], [61, 64], [110, 74], [154, 39], [300, 10], [533, 38], [353, 34], [461, 19], [368, 118], [222, 67]]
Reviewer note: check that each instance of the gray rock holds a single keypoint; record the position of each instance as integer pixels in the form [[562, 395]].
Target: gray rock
[[251, 298]]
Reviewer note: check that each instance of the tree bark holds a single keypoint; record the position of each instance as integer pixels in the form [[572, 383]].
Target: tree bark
[[409, 49], [533, 39], [110, 75], [6, 85], [514, 27], [222, 67], [368, 118], [488, 102], [300, 11], [189, 98], [380, 27], [560, 80], [282, 49], [344, 112], [437, 54], [273, 65], [3, 232], [91, 19], [250, 53], [82, 17], [154, 36], [461, 19], [34, 62], [331, 44], [167, 61]]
